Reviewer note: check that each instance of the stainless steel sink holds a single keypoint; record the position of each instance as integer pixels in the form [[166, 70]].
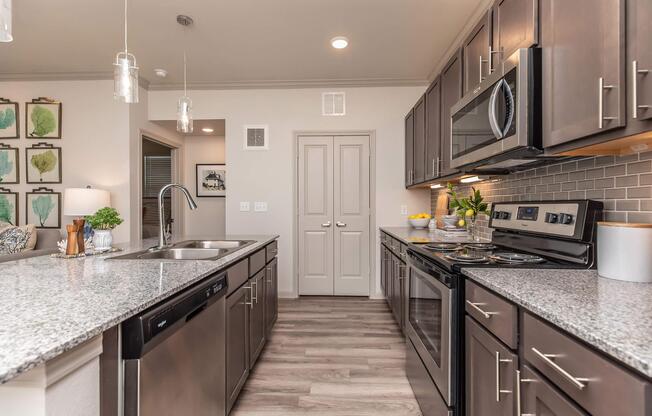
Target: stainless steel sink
[[189, 250]]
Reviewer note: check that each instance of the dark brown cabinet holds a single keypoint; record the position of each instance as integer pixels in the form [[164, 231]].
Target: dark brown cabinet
[[257, 323], [419, 152], [515, 26], [583, 68], [639, 38], [237, 342], [409, 148], [538, 397], [271, 295], [451, 92], [490, 373], [433, 129], [476, 51]]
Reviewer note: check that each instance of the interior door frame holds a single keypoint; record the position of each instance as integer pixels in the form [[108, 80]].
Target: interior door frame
[[374, 287]]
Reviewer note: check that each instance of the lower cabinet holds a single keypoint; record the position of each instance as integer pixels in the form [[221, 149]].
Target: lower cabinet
[[538, 397], [393, 278], [237, 342], [271, 295], [257, 322]]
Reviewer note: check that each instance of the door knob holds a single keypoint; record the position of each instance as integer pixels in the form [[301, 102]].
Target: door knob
[[326, 224], [340, 224]]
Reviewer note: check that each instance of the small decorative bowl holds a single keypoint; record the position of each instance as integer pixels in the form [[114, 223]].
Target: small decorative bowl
[[419, 222]]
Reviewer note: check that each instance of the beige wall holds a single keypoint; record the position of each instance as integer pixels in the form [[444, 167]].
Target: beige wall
[[209, 217], [268, 175]]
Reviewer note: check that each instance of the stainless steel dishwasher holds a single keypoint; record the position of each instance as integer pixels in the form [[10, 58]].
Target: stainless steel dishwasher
[[174, 354]]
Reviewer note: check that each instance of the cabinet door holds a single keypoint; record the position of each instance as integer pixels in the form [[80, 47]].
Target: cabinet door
[[389, 286], [515, 26], [538, 397], [490, 374], [583, 68], [409, 148], [433, 129], [639, 38], [419, 155], [451, 92], [476, 54], [237, 342], [383, 269], [271, 295], [257, 333]]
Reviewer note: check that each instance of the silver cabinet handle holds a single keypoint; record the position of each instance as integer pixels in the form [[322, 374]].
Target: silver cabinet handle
[[601, 89], [498, 361], [575, 381], [433, 166], [254, 292], [326, 224], [269, 279], [519, 406], [635, 73], [480, 70], [491, 54], [340, 224], [484, 313], [250, 304]]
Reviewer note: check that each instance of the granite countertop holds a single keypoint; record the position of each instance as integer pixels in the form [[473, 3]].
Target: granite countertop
[[49, 305], [413, 235], [613, 316]]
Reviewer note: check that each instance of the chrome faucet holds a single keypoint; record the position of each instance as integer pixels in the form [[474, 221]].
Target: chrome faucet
[[162, 235]]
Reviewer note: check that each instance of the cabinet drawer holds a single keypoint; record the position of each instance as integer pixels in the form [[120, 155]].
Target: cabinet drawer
[[237, 275], [271, 250], [593, 381], [494, 313], [256, 262]]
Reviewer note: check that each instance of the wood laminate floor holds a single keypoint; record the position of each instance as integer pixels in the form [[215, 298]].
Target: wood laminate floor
[[331, 356]]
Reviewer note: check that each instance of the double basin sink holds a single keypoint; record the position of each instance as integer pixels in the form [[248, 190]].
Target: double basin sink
[[189, 250]]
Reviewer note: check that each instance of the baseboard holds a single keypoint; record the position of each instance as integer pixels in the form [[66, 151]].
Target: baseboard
[[287, 295]]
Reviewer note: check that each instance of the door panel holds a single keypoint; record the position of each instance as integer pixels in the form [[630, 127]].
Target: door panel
[[257, 326], [538, 397], [514, 26], [433, 129], [476, 54], [351, 215], [409, 148], [237, 343], [315, 185], [271, 304], [640, 40], [451, 92], [419, 157]]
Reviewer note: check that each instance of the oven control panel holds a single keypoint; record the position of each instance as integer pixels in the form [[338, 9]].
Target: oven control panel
[[555, 217]]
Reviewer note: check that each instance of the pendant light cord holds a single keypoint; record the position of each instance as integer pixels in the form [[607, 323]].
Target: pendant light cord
[[125, 27], [185, 93]]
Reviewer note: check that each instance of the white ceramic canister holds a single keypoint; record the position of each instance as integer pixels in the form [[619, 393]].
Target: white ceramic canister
[[625, 251]]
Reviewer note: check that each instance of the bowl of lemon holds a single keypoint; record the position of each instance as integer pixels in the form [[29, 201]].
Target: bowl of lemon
[[420, 220]]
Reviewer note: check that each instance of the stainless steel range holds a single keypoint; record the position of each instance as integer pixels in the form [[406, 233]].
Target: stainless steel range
[[547, 234]]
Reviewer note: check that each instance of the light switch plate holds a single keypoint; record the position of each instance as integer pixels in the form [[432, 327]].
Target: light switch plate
[[404, 210], [260, 206], [244, 206]]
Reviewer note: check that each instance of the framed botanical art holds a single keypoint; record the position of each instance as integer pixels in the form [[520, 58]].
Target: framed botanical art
[[9, 128], [43, 163], [43, 119], [211, 180], [43, 208], [9, 172], [8, 206]]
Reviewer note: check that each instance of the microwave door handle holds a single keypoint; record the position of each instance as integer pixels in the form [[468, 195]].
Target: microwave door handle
[[511, 109], [493, 122]]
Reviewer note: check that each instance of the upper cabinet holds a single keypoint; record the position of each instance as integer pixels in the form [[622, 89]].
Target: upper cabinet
[[419, 155], [451, 92], [433, 129], [639, 34], [477, 54], [409, 148], [583, 68], [515, 26]]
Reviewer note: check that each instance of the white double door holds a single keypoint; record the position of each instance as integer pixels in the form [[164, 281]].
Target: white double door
[[333, 223]]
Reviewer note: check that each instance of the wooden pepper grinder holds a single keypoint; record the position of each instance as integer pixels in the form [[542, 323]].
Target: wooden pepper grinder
[[80, 222], [72, 247]]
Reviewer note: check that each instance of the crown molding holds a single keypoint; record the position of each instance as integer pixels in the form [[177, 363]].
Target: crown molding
[[65, 76]]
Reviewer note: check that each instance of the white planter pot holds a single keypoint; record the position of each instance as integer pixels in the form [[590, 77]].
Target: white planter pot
[[102, 239]]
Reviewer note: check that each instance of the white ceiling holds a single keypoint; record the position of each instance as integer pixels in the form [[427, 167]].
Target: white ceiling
[[237, 42]]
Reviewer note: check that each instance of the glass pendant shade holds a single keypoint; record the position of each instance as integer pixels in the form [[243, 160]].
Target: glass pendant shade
[[5, 21], [184, 115], [125, 78]]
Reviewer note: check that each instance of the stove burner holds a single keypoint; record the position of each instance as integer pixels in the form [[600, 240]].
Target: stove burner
[[480, 246], [467, 258], [516, 258], [444, 247]]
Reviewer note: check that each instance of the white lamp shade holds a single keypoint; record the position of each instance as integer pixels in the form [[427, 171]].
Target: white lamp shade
[[78, 202]]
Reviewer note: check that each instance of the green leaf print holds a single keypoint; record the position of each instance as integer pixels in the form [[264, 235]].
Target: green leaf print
[[44, 162], [43, 121], [6, 165], [6, 210], [42, 207], [7, 118]]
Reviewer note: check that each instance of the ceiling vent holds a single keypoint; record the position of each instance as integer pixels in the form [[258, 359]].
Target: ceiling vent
[[333, 104], [256, 138]]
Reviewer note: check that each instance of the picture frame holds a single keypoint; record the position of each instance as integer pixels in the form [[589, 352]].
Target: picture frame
[[43, 208], [210, 180], [9, 165], [9, 119], [43, 164], [43, 119], [9, 206]]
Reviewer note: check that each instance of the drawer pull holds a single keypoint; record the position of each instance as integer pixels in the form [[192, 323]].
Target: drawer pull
[[520, 380], [484, 313], [498, 361], [575, 381]]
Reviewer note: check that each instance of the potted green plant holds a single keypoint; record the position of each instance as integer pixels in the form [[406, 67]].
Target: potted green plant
[[102, 222], [468, 209]]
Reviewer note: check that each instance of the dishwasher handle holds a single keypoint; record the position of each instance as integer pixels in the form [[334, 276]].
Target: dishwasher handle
[[144, 331]]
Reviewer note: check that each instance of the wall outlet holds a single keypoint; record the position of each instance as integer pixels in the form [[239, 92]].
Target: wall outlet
[[260, 206], [404, 210], [244, 206]]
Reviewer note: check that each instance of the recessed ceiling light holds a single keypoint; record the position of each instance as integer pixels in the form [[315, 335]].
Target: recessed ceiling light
[[207, 130], [339, 42], [162, 73]]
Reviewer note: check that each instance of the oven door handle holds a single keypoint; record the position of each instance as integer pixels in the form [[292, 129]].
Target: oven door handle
[[493, 118]]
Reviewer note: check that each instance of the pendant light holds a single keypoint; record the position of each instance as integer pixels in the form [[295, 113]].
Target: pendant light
[[5, 21], [184, 106], [125, 73]]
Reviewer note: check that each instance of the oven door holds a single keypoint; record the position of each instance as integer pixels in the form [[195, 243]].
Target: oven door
[[429, 323]]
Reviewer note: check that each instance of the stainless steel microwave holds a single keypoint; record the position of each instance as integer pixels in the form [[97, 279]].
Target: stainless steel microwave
[[498, 125]]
